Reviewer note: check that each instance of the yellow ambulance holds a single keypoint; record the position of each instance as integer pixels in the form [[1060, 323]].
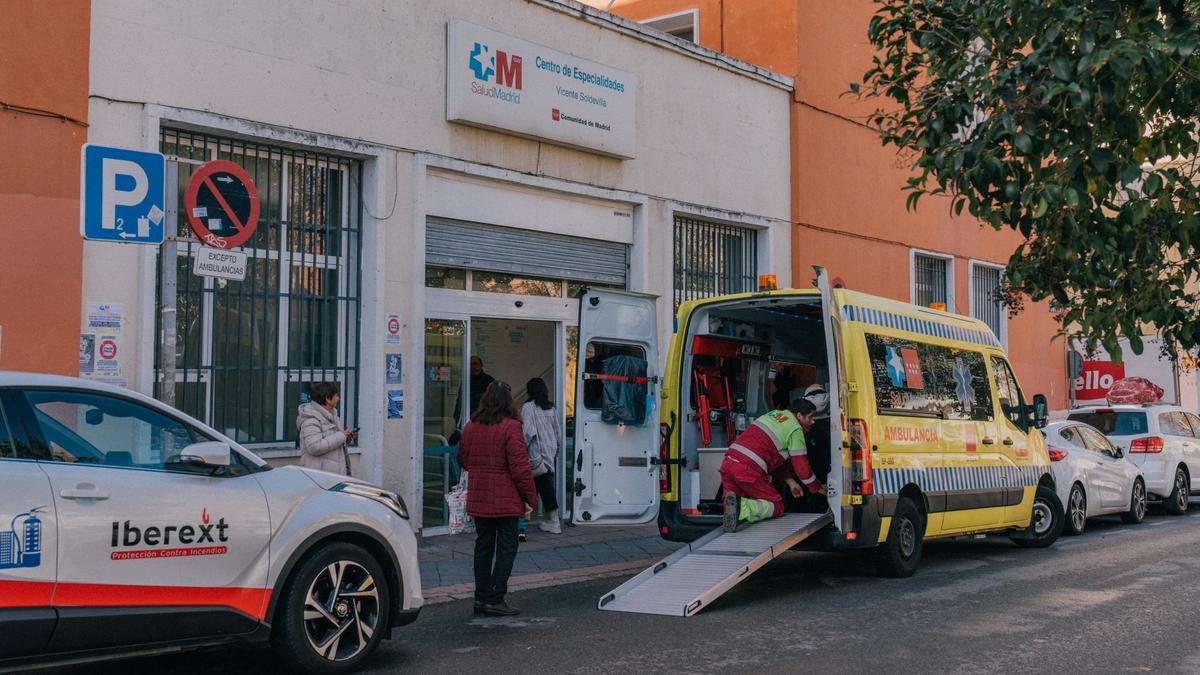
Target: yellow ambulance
[[926, 432]]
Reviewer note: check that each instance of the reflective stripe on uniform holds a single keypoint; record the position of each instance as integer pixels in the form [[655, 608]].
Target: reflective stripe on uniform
[[770, 433], [750, 453]]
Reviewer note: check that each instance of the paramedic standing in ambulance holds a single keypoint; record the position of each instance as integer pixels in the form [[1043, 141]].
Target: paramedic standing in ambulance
[[763, 450]]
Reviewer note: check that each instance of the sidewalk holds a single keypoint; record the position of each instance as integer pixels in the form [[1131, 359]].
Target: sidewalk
[[578, 554]]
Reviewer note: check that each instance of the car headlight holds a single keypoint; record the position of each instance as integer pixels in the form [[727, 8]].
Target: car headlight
[[388, 499]]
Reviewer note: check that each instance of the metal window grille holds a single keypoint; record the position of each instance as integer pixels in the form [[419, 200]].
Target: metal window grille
[[988, 305], [247, 352], [713, 259], [930, 280]]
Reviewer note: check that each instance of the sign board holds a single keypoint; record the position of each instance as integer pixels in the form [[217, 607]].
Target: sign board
[[392, 330], [220, 264], [123, 195], [221, 204], [106, 354], [498, 81], [1098, 372]]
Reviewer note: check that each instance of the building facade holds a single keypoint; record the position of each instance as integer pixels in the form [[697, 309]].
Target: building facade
[[848, 205], [436, 182], [43, 124]]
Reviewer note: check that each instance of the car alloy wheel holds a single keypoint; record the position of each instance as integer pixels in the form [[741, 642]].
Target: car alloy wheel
[[1181, 490], [1076, 509], [341, 610], [1139, 500]]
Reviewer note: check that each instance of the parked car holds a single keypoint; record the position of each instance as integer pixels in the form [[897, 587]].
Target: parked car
[[1163, 440], [127, 526], [1093, 476]]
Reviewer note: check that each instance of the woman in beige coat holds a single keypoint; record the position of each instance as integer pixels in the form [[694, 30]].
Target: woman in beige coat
[[323, 437]]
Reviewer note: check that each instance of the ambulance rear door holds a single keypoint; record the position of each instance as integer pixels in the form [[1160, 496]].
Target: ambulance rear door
[[838, 482], [616, 416]]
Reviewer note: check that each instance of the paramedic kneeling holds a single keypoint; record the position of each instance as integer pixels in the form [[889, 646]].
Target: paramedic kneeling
[[763, 450]]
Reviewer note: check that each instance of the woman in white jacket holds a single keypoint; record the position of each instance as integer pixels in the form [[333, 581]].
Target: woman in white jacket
[[323, 437], [540, 422]]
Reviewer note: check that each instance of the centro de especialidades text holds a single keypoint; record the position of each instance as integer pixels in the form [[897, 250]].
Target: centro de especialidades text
[[576, 74]]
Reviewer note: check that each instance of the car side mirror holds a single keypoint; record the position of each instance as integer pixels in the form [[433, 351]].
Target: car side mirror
[[94, 417], [1041, 410], [208, 453]]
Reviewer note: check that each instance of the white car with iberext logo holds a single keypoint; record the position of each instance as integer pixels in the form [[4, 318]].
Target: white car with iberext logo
[[128, 527]]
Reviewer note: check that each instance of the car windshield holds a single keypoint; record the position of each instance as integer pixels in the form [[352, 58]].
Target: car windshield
[[1112, 423]]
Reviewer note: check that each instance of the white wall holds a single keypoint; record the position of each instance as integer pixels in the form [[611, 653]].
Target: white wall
[[367, 78]]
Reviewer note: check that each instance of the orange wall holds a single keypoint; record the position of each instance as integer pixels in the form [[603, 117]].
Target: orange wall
[[847, 200], [44, 65]]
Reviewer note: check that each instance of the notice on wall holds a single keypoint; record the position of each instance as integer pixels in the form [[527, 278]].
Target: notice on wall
[[498, 81], [104, 315], [107, 354], [395, 404], [87, 353], [394, 368], [391, 335]]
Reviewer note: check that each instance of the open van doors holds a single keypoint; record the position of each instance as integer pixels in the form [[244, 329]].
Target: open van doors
[[616, 416], [836, 482]]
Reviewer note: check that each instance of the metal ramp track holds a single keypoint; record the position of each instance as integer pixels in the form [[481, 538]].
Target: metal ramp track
[[694, 576]]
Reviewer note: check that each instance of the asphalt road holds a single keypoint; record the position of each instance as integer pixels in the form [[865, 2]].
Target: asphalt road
[[1118, 599]]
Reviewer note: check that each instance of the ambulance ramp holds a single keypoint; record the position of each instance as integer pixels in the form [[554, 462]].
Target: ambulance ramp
[[694, 576]]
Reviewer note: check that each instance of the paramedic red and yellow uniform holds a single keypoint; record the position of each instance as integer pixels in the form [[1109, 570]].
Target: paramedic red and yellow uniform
[[761, 451]]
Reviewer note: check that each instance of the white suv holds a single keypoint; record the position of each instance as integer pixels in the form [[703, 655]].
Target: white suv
[[127, 526], [1164, 440]]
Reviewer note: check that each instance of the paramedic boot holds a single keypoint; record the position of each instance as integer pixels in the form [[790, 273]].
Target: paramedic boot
[[729, 519], [552, 524]]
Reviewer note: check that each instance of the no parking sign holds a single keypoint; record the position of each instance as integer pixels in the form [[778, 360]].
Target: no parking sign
[[221, 204]]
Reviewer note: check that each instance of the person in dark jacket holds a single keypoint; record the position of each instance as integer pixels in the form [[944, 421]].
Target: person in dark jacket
[[500, 490]]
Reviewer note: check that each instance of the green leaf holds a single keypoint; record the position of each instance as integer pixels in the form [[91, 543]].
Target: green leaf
[[1152, 184], [1042, 207], [1023, 143], [1071, 196]]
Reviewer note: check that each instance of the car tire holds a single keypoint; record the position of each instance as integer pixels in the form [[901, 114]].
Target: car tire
[[900, 554], [1137, 504], [333, 612], [1076, 511], [1177, 502], [1046, 523]]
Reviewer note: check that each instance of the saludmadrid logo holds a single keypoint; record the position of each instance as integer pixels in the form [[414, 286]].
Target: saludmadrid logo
[[499, 67], [155, 541]]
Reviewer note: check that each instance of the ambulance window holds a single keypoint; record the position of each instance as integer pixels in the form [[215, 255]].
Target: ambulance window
[[1011, 401], [598, 357], [915, 378], [87, 428]]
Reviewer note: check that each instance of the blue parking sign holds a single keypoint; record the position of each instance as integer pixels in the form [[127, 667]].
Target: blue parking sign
[[124, 195]]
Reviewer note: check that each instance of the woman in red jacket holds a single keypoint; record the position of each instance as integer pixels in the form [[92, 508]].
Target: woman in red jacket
[[500, 490]]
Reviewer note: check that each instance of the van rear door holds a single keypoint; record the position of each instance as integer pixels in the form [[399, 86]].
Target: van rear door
[[616, 420], [836, 482]]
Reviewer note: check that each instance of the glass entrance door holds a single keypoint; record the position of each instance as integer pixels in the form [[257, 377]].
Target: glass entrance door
[[444, 375]]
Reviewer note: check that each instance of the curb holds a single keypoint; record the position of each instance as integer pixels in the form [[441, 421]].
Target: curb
[[441, 594]]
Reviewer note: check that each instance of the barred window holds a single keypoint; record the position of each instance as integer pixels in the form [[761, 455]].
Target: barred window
[[987, 304], [247, 352], [713, 259], [931, 280]]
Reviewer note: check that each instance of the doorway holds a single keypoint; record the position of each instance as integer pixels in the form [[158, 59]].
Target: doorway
[[463, 354]]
